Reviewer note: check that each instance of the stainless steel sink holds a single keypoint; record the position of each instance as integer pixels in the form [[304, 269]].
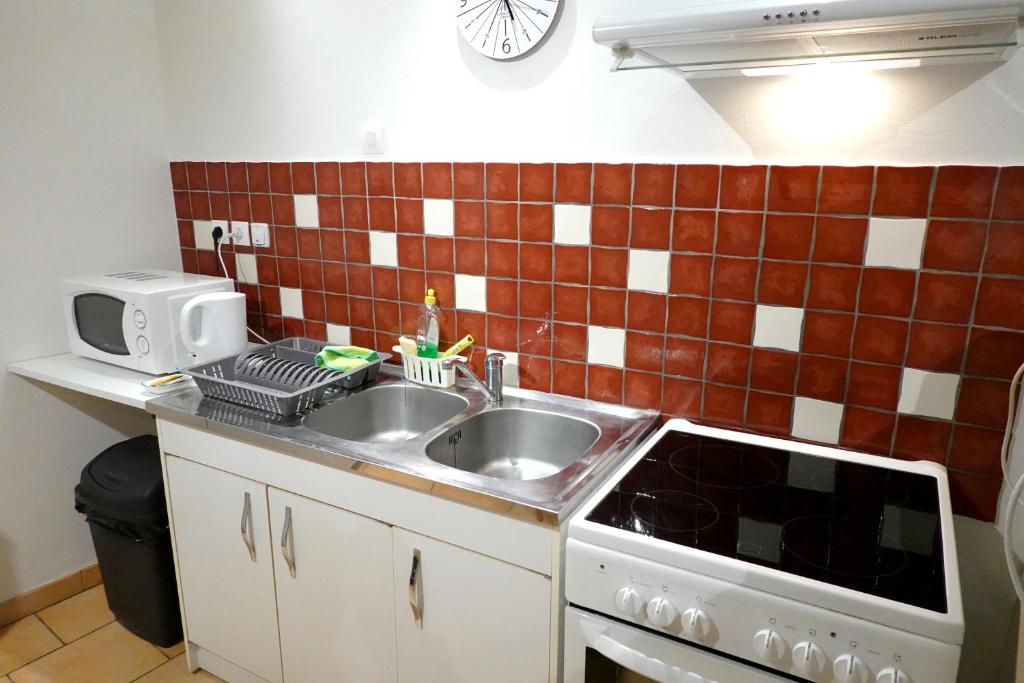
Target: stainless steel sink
[[512, 443], [386, 414]]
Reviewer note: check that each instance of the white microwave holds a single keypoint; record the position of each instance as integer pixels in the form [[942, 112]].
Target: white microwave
[[132, 319]]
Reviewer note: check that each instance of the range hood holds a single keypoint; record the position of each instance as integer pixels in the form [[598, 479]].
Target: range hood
[[745, 36]]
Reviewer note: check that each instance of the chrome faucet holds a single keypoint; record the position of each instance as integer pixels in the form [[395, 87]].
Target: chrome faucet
[[492, 384]]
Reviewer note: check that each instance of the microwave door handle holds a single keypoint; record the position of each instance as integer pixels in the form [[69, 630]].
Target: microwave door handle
[[598, 639]]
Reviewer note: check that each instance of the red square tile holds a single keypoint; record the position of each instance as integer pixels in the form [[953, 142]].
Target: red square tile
[[503, 181], [874, 385], [189, 261], [294, 327], [570, 342], [846, 189], [728, 364], [412, 285], [380, 179], [681, 397], [266, 270], [1009, 204], [313, 305], [936, 347], [645, 351], [219, 208], [882, 340], [238, 176], [1005, 249], [773, 370], [840, 240], [569, 379], [535, 337], [356, 213], [571, 304], [502, 332], [468, 181], [260, 209], [316, 330], [976, 450], [408, 180], [536, 182], [572, 264], [329, 209], [647, 311], [187, 236], [739, 234], [653, 184], [743, 187], [782, 283], [353, 178], [642, 390], [723, 405], [385, 283], [474, 323], [734, 278], [386, 318], [964, 191], [535, 373], [196, 171], [793, 188], [822, 378], [693, 231], [382, 213], [609, 226], [1000, 303], [361, 312], [902, 191], [833, 287], [651, 228], [697, 186], [440, 253], [731, 321], [828, 334], [954, 245], [336, 309], [200, 202], [983, 402], [216, 176], [469, 219], [285, 242], [607, 307], [612, 183], [688, 315], [534, 299], [328, 177], [270, 300], [788, 237], [259, 176], [994, 353], [281, 178], [182, 205], [535, 261], [179, 176], [690, 274], [408, 215], [920, 439], [769, 413], [867, 430], [469, 256], [502, 259], [682, 356], [608, 267], [309, 243], [885, 291], [974, 495], [360, 279], [945, 297], [502, 221], [572, 183], [604, 384], [535, 222], [303, 178], [437, 180]]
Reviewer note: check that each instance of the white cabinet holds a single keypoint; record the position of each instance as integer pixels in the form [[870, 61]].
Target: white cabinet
[[222, 542], [481, 619], [334, 582]]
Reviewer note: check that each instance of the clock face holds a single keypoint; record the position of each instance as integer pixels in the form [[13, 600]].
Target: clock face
[[505, 29]]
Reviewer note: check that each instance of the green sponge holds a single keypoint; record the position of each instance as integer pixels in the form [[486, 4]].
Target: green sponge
[[344, 358]]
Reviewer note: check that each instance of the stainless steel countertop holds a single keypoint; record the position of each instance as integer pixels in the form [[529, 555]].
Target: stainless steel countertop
[[548, 501]]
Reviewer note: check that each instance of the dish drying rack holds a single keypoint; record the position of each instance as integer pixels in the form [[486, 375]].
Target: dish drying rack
[[280, 377]]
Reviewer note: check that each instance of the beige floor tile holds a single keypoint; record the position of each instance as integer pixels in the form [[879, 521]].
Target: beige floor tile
[[24, 641], [173, 651], [109, 655], [176, 671], [78, 615]]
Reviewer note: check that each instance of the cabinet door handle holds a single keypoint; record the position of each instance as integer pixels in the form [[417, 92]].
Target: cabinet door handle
[[288, 542], [416, 590], [247, 532]]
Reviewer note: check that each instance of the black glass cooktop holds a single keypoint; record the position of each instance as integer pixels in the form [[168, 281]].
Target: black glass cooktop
[[871, 529]]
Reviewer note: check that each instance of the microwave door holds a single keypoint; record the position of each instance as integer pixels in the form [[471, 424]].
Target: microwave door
[[99, 322]]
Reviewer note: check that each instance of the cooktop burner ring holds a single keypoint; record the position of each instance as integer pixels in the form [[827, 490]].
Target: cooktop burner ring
[[663, 500], [759, 482], [846, 525]]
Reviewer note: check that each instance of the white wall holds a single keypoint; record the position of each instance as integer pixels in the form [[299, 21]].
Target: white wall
[[84, 186], [271, 80]]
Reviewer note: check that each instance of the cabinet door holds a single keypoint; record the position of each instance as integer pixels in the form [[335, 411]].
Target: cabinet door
[[334, 583], [480, 619], [228, 589]]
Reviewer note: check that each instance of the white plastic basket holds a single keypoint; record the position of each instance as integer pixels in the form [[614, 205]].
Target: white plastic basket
[[427, 371]]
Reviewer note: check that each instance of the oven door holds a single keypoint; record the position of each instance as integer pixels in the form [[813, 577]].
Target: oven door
[[601, 650]]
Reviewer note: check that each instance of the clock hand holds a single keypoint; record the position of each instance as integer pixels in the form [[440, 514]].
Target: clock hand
[[511, 14]]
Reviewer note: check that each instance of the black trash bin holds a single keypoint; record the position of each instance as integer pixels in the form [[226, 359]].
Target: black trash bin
[[121, 494]]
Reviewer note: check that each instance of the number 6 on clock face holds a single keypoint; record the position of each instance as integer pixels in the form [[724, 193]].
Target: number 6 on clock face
[[505, 29]]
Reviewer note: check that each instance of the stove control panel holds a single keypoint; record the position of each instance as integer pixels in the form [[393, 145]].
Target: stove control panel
[[802, 640]]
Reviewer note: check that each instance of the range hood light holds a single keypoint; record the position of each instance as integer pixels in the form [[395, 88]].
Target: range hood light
[[827, 67]]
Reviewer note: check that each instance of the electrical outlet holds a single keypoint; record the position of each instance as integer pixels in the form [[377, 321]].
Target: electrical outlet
[[260, 235], [223, 225], [240, 233], [371, 134]]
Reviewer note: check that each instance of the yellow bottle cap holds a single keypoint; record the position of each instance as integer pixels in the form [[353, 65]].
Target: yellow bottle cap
[[430, 298]]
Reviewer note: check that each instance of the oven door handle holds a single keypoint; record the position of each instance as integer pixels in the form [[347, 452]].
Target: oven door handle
[[596, 636]]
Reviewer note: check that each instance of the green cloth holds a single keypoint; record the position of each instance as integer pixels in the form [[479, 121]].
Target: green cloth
[[344, 358]]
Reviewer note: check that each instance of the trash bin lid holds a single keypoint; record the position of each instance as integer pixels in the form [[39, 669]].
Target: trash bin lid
[[124, 482]]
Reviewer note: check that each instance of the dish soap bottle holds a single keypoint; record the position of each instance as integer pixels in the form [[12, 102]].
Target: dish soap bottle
[[427, 330]]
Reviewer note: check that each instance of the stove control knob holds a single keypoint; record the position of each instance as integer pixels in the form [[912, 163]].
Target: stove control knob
[[661, 612], [849, 669], [769, 646], [696, 623], [808, 659], [891, 675], [629, 602]]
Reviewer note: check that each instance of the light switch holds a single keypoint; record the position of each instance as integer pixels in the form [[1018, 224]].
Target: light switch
[[372, 136], [260, 235]]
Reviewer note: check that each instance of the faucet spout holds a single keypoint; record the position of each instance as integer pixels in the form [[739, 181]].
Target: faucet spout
[[491, 386]]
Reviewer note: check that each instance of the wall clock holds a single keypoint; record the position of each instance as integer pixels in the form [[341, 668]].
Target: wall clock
[[505, 29]]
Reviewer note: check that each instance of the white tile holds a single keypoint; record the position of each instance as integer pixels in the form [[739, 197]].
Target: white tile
[[778, 327], [291, 302], [439, 217], [572, 224], [510, 370], [470, 292], [383, 248], [339, 334], [895, 242], [606, 346], [932, 394], [245, 266], [648, 270], [203, 231], [307, 215], [817, 420]]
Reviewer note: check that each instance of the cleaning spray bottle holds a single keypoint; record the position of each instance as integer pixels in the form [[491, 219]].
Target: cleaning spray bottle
[[428, 328]]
